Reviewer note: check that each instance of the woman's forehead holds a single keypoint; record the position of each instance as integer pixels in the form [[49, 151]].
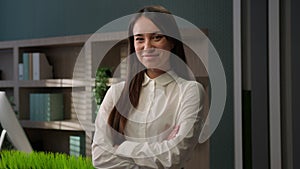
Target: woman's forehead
[[144, 25]]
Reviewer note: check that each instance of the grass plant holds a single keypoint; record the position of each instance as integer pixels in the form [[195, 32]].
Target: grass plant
[[12, 159]]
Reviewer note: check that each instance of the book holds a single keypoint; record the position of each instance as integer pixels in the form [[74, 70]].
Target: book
[[21, 71], [77, 145], [41, 68], [53, 107], [35, 67], [25, 66], [32, 105], [46, 106], [30, 66]]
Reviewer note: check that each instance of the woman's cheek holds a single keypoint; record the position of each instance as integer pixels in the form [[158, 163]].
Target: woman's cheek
[[138, 53]]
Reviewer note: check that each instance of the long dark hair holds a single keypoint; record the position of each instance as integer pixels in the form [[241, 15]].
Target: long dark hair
[[163, 19]]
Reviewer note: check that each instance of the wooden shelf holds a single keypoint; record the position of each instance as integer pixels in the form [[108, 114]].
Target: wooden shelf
[[53, 83], [57, 125], [7, 83]]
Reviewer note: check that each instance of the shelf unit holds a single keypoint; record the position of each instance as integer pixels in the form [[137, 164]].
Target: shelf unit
[[62, 53]]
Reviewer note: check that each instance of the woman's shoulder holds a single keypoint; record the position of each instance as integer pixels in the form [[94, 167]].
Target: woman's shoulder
[[115, 91], [184, 82], [190, 85], [117, 87]]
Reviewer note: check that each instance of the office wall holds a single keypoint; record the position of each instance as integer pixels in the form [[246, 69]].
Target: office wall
[[295, 68], [40, 18]]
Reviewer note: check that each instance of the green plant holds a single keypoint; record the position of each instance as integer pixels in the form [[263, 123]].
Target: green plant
[[101, 81], [39, 160]]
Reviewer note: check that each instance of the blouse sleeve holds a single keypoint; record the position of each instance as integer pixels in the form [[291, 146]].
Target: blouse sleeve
[[102, 148], [171, 153]]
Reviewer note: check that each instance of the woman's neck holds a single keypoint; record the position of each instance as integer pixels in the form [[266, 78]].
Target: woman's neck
[[153, 73]]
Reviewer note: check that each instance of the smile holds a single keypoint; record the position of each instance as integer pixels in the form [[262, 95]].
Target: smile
[[150, 55]]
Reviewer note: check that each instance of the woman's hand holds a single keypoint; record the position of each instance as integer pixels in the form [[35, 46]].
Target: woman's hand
[[173, 133]]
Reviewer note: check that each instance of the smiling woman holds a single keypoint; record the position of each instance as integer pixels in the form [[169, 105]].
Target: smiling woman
[[152, 120], [152, 48]]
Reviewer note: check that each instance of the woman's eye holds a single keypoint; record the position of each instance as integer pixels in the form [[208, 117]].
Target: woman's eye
[[139, 39], [157, 37]]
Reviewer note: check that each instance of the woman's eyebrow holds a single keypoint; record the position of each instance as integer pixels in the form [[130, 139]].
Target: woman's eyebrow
[[138, 34], [142, 34]]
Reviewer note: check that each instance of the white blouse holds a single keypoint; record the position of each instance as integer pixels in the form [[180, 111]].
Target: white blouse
[[165, 101]]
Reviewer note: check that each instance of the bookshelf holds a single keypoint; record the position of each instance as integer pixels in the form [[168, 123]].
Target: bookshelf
[[62, 53]]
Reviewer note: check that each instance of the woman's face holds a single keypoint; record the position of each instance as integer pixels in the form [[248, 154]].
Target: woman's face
[[151, 47]]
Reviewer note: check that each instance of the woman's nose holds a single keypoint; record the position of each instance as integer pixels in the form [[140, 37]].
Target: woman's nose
[[148, 44]]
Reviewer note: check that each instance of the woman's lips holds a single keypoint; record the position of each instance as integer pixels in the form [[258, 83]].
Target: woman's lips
[[150, 55]]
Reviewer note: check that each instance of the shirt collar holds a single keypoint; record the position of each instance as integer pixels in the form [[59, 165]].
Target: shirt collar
[[162, 80]]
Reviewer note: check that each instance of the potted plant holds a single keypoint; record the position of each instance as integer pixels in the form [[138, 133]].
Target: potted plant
[[101, 84]]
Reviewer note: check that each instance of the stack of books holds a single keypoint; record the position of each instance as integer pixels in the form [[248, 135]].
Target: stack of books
[[77, 145], [46, 106], [35, 66]]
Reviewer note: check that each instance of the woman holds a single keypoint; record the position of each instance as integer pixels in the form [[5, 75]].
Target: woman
[[152, 120]]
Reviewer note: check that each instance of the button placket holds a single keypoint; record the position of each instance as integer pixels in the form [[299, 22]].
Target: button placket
[[152, 89]]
